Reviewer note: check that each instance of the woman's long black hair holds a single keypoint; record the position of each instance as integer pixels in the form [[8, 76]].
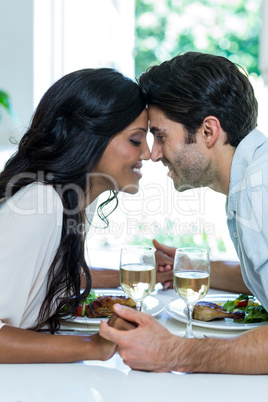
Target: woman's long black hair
[[70, 129]]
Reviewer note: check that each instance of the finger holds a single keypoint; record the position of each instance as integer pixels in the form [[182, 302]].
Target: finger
[[170, 251], [163, 259], [163, 277], [120, 323], [165, 268], [168, 267], [129, 314], [109, 333], [167, 285], [112, 319]]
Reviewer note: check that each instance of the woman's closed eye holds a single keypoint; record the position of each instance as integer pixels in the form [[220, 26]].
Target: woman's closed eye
[[136, 142]]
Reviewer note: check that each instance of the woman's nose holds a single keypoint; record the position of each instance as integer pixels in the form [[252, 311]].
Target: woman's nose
[[145, 152]]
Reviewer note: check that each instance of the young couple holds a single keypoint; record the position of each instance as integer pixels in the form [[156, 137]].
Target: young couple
[[87, 136]]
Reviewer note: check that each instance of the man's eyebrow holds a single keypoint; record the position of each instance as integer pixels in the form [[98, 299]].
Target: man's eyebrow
[[156, 130]]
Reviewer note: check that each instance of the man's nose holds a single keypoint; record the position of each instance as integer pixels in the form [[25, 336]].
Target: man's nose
[[157, 153]]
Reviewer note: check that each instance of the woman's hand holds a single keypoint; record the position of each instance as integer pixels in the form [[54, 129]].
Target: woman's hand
[[164, 257], [104, 348], [119, 323]]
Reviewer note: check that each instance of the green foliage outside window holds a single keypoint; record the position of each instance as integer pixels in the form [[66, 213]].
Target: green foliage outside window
[[168, 237], [165, 28], [4, 101], [229, 28]]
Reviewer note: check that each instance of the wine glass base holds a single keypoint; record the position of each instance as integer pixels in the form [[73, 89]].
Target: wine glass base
[[139, 305], [189, 336]]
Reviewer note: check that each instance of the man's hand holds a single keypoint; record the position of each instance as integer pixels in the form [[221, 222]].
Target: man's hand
[[145, 347], [164, 257]]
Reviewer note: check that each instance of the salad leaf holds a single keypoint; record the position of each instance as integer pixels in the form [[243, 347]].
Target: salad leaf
[[82, 306], [254, 312], [243, 296], [92, 296], [229, 305]]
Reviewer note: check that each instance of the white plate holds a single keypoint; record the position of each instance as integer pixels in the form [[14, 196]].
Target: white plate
[[177, 310], [151, 305]]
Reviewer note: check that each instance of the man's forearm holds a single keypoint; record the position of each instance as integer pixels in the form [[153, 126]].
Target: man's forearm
[[226, 275], [244, 354]]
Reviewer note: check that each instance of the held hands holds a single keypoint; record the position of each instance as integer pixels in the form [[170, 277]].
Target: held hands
[[104, 348], [132, 330], [100, 348], [164, 257], [145, 345]]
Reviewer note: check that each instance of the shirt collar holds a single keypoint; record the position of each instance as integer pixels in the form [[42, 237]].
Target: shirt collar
[[243, 156]]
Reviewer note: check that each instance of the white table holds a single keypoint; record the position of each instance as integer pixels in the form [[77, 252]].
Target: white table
[[113, 381]]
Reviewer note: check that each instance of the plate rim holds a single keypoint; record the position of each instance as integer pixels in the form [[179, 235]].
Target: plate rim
[[222, 325]]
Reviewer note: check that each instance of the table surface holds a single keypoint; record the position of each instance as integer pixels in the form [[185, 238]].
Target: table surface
[[114, 381]]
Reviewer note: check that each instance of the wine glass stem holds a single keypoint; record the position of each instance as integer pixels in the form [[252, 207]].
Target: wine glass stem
[[189, 331], [138, 305]]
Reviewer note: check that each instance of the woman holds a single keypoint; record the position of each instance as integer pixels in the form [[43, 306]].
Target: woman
[[87, 136]]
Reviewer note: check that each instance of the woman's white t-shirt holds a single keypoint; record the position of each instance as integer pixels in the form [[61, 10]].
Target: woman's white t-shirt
[[30, 233]]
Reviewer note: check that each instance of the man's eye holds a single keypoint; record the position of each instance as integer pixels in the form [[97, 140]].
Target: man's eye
[[159, 138], [136, 143]]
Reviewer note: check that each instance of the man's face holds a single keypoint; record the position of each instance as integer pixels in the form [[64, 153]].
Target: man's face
[[189, 164]]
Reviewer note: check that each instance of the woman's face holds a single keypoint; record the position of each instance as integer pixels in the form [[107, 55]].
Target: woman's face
[[119, 168]]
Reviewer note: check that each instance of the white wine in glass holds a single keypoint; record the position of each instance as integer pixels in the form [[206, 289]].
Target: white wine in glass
[[191, 279], [137, 272]]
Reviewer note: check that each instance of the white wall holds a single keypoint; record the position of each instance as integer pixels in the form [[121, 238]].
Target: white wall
[[16, 63], [41, 40]]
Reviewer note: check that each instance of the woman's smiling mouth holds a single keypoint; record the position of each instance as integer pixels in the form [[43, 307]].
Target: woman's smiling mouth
[[137, 170]]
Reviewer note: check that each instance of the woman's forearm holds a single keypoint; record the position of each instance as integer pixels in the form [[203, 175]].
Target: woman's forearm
[[23, 346], [226, 275], [104, 278]]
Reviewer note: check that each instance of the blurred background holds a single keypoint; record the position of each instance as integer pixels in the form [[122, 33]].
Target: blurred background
[[42, 40]]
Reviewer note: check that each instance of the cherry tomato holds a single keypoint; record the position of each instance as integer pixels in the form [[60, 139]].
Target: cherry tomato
[[242, 303], [79, 311]]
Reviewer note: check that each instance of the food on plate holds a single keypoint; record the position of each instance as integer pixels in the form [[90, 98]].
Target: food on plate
[[207, 311], [103, 306], [243, 309], [254, 311], [81, 310]]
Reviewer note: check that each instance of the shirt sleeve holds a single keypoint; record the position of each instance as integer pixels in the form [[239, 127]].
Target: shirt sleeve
[[252, 226], [31, 225]]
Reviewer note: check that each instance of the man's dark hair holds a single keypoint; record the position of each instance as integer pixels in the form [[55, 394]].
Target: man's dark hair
[[195, 85]]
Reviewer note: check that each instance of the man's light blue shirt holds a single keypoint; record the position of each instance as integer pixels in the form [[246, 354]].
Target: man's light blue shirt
[[247, 211]]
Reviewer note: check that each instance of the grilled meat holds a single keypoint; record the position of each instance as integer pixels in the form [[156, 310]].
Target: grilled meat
[[103, 305], [206, 311]]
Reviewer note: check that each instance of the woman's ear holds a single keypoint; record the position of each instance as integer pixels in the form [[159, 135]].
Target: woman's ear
[[210, 130]]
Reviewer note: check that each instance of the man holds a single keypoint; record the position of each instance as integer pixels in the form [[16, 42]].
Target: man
[[203, 115]]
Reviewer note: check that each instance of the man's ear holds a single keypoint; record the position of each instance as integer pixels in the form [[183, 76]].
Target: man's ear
[[210, 130]]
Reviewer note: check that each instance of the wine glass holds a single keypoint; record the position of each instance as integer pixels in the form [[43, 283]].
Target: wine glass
[[191, 279], [137, 272]]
